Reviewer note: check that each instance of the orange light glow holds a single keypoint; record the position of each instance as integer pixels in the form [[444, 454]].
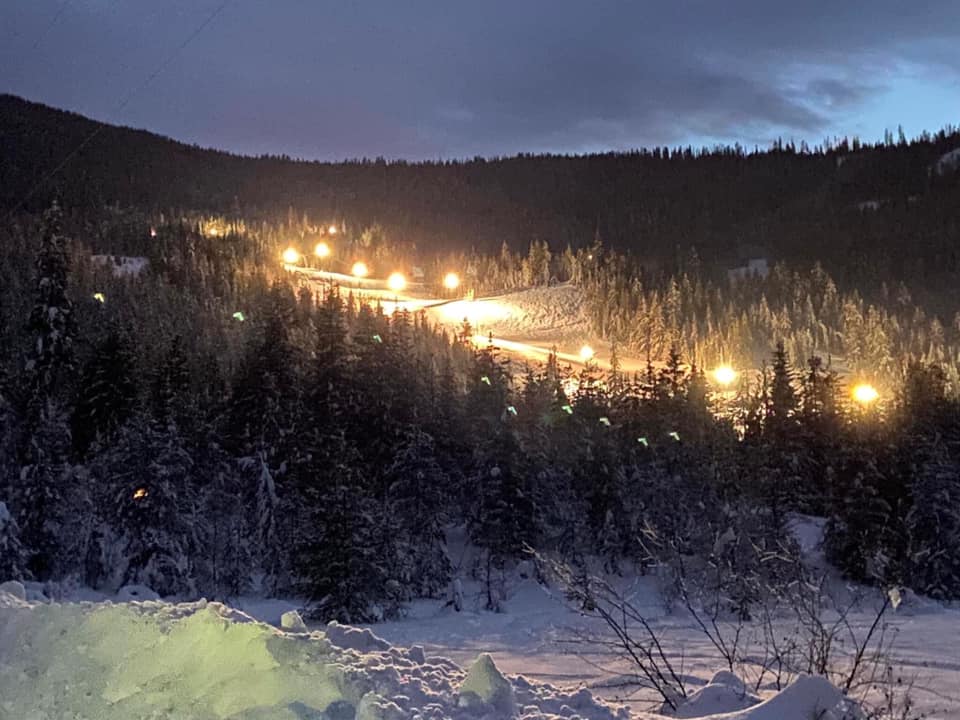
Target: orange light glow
[[322, 250], [725, 375], [140, 493], [865, 394], [291, 256], [359, 270], [451, 281], [396, 282]]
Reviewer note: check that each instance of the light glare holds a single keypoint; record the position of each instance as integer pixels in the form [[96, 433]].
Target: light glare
[[725, 375], [586, 353], [291, 256], [359, 269], [451, 281], [865, 394], [396, 282], [322, 250]]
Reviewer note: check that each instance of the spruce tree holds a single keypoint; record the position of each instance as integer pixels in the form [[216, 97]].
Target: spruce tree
[[107, 392], [150, 503], [416, 499], [933, 527], [40, 498]]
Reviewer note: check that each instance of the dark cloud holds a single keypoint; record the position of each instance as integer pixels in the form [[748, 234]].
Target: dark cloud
[[426, 78]]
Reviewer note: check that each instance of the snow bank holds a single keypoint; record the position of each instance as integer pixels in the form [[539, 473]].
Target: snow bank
[[725, 693], [808, 697], [203, 660]]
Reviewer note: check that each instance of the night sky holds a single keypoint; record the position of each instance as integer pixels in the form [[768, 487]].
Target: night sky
[[330, 79]]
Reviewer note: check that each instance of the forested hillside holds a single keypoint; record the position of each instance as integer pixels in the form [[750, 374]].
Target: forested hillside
[[868, 213]]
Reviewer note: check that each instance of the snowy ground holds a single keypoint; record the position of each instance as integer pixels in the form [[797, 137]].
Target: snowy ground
[[136, 657], [532, 635], [149, 659]]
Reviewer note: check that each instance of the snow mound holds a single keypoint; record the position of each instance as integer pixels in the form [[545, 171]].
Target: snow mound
[[204, 661], [291, 621], [808, 697], [351, 638], [485, 685], [15, 588], [725, 693]]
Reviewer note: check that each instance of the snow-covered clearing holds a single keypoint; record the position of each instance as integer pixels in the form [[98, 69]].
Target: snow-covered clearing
[[205, 660]]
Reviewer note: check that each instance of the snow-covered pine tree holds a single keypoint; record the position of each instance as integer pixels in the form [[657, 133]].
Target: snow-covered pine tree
[[415, 498], [341, 563], [502, 521], [261, 431], [933, 527], [106, 393], [266, 544], [39, 498], [225, 567], [169, 389], [148, 475]]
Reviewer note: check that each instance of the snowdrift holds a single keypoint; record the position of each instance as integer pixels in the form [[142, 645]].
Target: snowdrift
[[206, 661]]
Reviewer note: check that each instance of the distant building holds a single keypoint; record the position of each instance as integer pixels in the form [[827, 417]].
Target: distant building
[[122, 265]]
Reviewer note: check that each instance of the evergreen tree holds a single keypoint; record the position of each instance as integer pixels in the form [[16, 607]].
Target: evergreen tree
[[415, 499], [933, 528], [170, 388], [341, 564], [782, 407], [502, 523], [147, 475], [106, 394], [41, 496]]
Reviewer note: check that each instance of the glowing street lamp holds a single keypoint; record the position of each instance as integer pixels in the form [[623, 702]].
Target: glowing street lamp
[[291, 256], [586, 353], [725, 375], [865, 394], [359, 270], [332, 229], [396, 282], [451, 281], [322, 250]]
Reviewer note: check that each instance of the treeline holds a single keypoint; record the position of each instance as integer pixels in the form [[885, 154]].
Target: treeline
[[870, 213], [315, 446]]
